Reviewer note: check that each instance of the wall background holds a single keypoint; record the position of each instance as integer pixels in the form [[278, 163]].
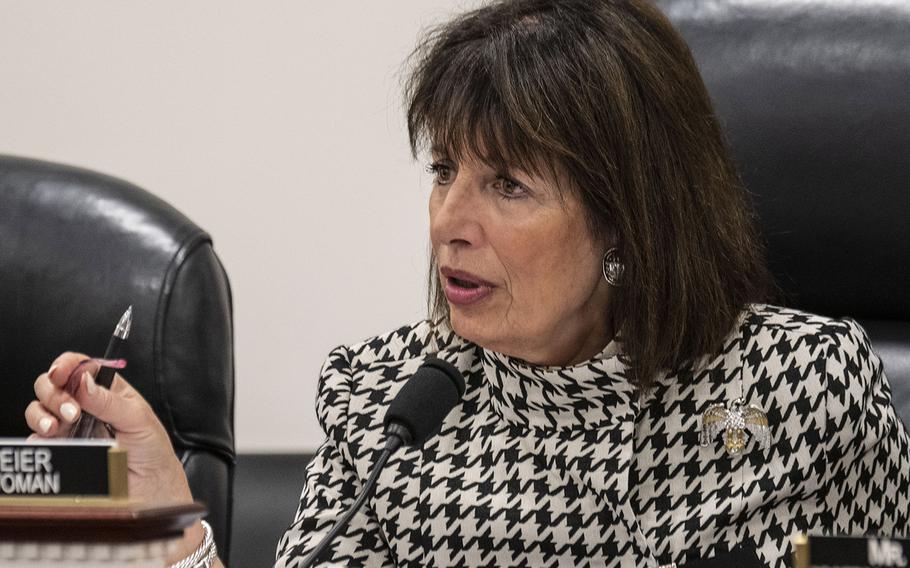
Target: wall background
[[277, 126]]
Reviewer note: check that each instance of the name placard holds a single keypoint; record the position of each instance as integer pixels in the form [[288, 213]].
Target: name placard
[[849, 552], [62, 468]]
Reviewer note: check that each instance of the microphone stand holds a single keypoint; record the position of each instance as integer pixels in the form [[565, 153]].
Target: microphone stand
[[415, 414], [398, 435]]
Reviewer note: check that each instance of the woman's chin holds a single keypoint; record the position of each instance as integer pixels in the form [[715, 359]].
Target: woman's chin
[[479, 330], [468, 327]]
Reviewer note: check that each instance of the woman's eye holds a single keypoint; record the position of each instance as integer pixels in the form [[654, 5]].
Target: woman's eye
[[443, 173], [510, 189]]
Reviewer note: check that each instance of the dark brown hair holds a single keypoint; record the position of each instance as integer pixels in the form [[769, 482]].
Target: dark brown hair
[[607, 94]]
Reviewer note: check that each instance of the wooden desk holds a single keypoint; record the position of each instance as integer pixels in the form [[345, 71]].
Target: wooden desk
[[90, 534]]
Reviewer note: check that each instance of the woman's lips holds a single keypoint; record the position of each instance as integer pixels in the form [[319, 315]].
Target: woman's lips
[[463, 288]]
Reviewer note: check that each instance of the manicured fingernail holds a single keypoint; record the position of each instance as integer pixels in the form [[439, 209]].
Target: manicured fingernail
[[68, 410], [90, 385], [45, 425], [53, 368]]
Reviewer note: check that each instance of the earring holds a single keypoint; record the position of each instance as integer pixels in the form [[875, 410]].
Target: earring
[[613, 268]]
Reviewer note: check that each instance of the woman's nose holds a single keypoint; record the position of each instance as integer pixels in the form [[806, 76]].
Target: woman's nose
[[455, 213]]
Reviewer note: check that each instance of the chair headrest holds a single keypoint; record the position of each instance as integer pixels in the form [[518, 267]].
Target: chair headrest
[[815, 99], [76, 248]]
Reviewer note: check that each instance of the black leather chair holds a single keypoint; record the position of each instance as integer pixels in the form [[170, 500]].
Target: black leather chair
[[815, 99], [266, 494], [78, 247]]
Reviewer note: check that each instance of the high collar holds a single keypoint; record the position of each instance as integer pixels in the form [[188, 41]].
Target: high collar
[[588, 395]]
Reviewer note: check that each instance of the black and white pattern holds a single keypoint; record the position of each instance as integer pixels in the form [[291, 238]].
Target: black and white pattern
[[544, 466]]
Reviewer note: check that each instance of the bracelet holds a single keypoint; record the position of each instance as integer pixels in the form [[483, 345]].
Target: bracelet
[[202, 557]]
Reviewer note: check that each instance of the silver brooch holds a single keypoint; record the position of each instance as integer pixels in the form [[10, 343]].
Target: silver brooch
[[734, 422]]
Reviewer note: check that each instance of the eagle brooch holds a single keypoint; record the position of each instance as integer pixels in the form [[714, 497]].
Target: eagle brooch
[[733, 422]]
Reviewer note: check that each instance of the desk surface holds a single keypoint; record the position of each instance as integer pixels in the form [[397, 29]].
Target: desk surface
[[94, 522]]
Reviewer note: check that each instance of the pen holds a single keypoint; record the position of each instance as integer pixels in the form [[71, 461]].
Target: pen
[[86, 424]]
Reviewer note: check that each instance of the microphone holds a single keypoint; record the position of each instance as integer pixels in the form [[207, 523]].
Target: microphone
[[416, 414], [417, 411]]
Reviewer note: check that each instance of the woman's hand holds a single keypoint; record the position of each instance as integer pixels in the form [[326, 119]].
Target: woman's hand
[[155, 474]]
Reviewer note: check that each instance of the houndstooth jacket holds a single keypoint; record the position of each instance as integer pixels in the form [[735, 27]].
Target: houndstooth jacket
[[544, 466]]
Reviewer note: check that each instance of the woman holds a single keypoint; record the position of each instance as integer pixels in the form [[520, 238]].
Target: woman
[[597, 279]]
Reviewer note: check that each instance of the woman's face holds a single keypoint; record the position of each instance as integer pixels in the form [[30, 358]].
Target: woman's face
[[519, 268]]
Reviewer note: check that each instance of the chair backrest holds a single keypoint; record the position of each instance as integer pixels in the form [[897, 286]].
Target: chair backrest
[[815, 100], [78, 247]]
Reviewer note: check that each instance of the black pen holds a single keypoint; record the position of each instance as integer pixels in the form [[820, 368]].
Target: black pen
[[86, 424]]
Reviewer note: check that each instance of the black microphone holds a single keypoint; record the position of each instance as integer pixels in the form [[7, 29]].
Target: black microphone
[[416, 414]]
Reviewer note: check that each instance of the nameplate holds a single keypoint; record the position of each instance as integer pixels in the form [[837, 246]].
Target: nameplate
[[62, 468], [850, 552]]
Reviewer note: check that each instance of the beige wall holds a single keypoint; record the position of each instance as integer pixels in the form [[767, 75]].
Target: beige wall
[[274, 125]]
